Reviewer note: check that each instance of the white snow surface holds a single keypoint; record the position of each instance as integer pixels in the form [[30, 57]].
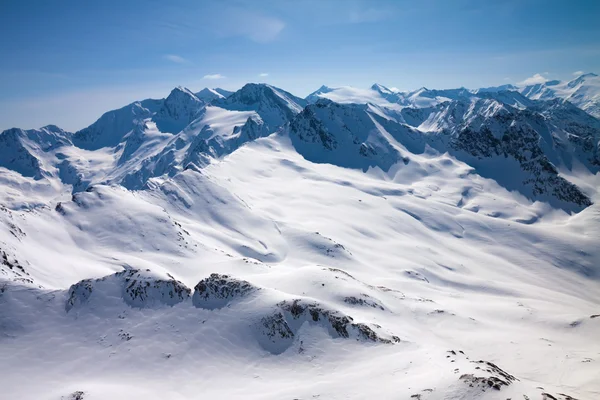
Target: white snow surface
[[266, 269]]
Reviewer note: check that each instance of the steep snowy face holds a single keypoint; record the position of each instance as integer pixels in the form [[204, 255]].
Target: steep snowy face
[[275, 106], [317, 94], [223, 92], [529, 143], [17, 155], [215, 133], [341, 134], [583, 91], [24, 151], [222, 132], [207, 95], [110, 129], [171, 115], [393, 96], [179, 109], [522, 149]]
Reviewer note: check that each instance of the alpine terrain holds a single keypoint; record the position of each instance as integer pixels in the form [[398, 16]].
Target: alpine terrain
[[356, 243]]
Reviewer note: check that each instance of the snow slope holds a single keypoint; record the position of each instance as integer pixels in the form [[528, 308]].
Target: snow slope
[[330, 250]]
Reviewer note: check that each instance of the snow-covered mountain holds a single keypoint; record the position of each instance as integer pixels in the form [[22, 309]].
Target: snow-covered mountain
[[583, 91], [359, 243], [273, 105]]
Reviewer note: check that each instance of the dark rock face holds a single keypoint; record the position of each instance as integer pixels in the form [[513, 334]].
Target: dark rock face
[[142, 291], [522, 144], [78, 395], [308, 128], [524, 135], [284, 323], [11, 267], [276, 327], [489, 133], [79, 294], [179, 109], [218, 291], [136, 287], [343, 135], [498, 377], [363, 301]]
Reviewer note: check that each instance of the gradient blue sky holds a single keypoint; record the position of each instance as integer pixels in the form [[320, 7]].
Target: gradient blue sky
[[66, 62]]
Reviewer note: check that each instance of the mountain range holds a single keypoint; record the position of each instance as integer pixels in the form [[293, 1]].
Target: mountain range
[[430, 244]]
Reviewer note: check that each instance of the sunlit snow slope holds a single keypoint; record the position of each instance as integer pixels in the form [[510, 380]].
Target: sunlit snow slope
[[260, 246]]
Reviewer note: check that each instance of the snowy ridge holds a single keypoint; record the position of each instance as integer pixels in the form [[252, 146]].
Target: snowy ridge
[[274, 106], [209, 95], [583, 91]]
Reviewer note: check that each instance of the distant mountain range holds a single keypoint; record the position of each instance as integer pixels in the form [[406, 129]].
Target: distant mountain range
[[520, 137]]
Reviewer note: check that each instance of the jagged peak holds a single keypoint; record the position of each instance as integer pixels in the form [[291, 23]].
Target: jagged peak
[[251, 93], [581, 79], [314, 96], [380, 88], [179, 91], [421, 90], [208, 94]]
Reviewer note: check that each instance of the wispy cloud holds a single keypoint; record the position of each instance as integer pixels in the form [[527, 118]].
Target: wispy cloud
[[257, 27], [535, 79], [175, 58], [578, 73], [213, 76], [263, 75]]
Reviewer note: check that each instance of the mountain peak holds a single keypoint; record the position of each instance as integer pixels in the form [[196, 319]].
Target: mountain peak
[[382, 89], [316, 95], [178, 110], [180, 90], [208, 95], [581, 79], [275, 106]]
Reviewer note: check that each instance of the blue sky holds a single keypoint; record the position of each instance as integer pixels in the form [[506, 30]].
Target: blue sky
[[66, 62]]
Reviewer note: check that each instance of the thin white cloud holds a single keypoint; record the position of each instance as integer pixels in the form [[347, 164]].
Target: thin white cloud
[[578, 73], [257, 27], [263, 75], [535, 79], [175, 58], [213, 76]]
